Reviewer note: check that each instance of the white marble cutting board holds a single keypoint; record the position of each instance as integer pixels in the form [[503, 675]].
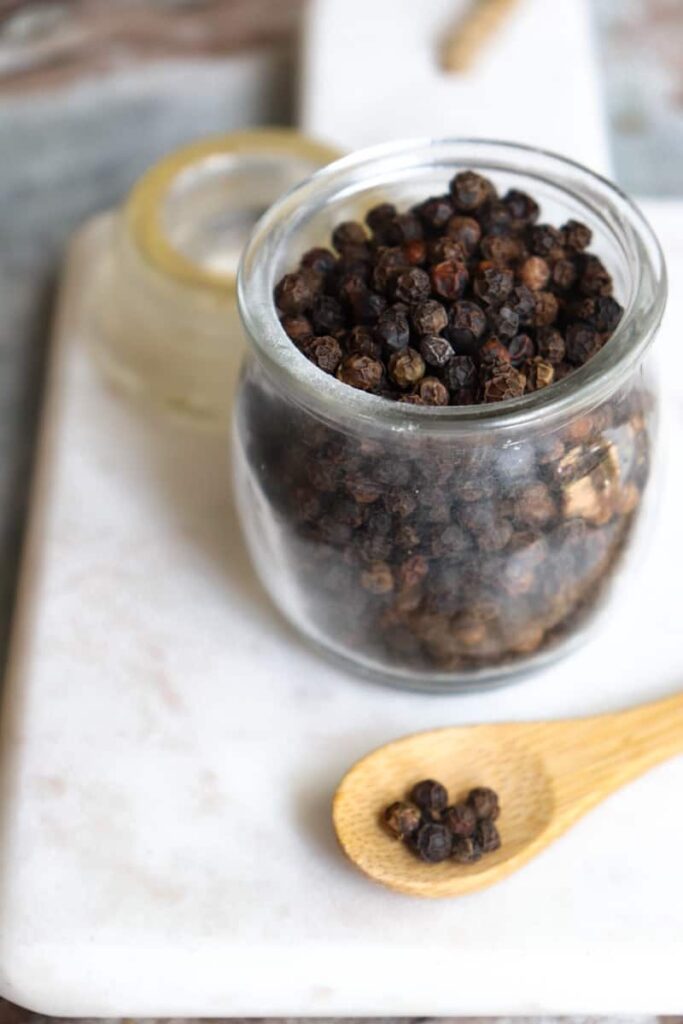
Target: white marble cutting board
[[170, 747], [370, 73]]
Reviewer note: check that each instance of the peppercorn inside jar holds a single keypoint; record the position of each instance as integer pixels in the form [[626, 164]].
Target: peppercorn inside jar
[[443, 545]]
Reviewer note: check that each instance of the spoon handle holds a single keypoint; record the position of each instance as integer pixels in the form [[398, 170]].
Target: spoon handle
[[602, 753]]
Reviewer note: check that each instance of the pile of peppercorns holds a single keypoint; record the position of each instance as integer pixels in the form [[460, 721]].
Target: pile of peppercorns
[[462, 299], [436, 832]]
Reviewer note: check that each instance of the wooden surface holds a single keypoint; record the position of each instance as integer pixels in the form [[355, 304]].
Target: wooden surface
[[547, 775]]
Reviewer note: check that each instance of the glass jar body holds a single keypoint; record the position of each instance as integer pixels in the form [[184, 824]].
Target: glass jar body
[[441, 548], [441, 562]]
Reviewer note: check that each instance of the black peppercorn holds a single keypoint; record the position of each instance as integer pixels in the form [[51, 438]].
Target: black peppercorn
[[392, 329], [430, 796], [486, 836], [406, 367], [402, 819], [361, 372], [348, 233], [465, 850], [327, 315], [467, 324], [470, 191], [464, 230], [436, 351], [484, 802], [460, 819], [434, 843], [429, 317], [449, 279], [493, 284], [412, 285]]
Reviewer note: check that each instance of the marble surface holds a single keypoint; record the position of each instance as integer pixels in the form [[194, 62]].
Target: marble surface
[[149, 712], [399, 90]]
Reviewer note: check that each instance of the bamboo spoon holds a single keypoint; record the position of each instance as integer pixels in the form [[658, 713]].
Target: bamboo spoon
[[547, 775]]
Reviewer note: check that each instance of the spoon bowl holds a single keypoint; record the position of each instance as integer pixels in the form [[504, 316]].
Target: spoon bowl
[[546, 774]]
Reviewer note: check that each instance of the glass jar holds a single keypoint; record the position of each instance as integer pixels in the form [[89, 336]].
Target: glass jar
[[444, 548], [165, 299]]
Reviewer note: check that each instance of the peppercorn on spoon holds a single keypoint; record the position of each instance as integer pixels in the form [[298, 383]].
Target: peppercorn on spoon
[[547, 775]]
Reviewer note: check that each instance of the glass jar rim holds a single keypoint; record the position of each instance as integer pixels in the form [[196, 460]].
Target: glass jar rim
[[585, 388]]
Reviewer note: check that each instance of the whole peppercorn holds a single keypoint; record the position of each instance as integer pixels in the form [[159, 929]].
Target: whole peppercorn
[[392, 329], [377, 579], [467, 323], [534, 273], [404, 227], [367, 306], [361, 341], [501, 249], [430, 796], [535, 506], [379, 215], [298, 327], [432, 391], [523, 301], [322, 261], [412, 285], [465, 850], [486, 836], [402, 819], [415, 252], [327, 315], [504, 384], [429, 317], [484, 803], [470, 191], [539, 373], [449, 279], [545, 240], [294, 293], [595, 279], [493, 351], [435, 350], [435, 212], [493, 284], [520, 349], [350, 286], [461, 374], [550, 344], [441, 249], [547, 308], [606, 313], [389, 264], [582, 342], [361, 372], [504, 322], [326, 353], [348, 233], [464, 230], [406, 367], [495, 219], [434, 843], [460, 819], [521, 207], [564, 274], [577, 236]]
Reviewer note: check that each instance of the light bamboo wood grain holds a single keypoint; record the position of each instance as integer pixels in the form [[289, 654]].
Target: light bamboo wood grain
[[547, 774]]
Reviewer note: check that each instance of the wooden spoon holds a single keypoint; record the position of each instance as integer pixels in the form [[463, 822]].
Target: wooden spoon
[[547, 774]]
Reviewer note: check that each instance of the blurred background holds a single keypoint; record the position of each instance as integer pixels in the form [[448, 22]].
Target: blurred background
[[93, 91]]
